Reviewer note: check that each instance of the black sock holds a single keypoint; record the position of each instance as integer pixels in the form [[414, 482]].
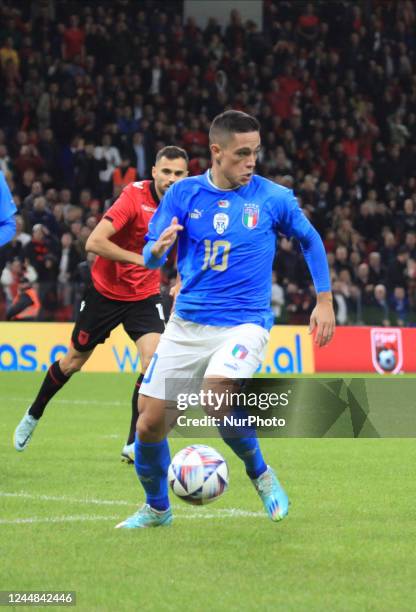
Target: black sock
[[53, 381], [134, 409]]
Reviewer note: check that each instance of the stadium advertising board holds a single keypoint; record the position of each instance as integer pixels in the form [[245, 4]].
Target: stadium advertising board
[[289, 351], [386, 350], [34, 346]]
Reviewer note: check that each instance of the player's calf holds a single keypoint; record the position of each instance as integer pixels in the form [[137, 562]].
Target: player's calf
[[151, 424], [73, 361]]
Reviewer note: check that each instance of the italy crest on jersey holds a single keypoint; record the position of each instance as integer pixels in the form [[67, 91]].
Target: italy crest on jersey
[[251, 214]]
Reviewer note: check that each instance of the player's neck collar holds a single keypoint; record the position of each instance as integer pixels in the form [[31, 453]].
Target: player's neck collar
[[211, 182], [154, 192]]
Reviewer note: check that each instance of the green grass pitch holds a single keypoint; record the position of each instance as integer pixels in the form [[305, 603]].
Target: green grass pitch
[[348, 543]]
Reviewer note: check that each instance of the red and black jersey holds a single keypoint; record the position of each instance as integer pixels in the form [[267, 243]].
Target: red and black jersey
[[130, 215]]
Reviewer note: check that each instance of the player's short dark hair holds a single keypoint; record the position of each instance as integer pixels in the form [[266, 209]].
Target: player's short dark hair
[[172, 152], [232, 122]]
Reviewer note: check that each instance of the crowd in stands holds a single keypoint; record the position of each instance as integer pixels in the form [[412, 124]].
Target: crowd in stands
[[91, 90]]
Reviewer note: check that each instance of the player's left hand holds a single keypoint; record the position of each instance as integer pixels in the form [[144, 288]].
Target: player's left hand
[[322, 322], [166, 239]]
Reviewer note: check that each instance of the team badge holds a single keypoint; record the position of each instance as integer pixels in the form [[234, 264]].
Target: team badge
[[251, 215], [387, 350], [83, 337], [239, 351], [223, 204], [221, 221]]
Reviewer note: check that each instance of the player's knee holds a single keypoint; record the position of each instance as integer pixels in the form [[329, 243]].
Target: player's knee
[[70, 365], [146, 359], [149, 429]]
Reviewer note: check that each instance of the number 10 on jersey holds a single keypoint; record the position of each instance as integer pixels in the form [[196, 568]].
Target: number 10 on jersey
[[216, 255]]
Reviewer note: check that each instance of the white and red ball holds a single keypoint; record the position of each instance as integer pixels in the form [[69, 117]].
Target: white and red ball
[[198, 474]]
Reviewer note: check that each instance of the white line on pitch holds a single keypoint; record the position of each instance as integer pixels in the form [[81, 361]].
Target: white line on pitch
[[25, 400], [56, 519], [69, 500], [220, 514], [203, 512]]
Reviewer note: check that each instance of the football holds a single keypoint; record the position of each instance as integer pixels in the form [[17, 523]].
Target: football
[[198, 474], [387, 359]]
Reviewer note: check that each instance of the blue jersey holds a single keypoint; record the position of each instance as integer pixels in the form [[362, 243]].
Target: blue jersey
[[227, 247], [7, 205], [7, 210]]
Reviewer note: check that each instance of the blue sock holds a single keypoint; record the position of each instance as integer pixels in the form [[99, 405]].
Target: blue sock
[[151, 461], [243, 441]]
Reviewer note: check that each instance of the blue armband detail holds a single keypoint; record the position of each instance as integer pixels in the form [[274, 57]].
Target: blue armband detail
[[150, 261]]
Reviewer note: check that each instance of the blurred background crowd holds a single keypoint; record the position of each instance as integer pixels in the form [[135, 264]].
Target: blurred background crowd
[[91, 91]]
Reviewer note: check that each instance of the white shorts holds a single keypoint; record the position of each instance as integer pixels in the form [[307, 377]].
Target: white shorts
[[190, 351]]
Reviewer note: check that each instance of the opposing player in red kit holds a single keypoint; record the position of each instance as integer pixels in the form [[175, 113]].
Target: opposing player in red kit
[[122, 291]]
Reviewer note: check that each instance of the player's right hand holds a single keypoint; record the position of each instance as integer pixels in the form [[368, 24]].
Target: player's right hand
[[167, 238]]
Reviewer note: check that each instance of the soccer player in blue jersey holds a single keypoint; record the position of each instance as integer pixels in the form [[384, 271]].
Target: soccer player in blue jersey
[[7, 212], [227, 221]]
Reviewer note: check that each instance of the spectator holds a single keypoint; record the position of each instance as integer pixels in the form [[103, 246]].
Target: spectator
[[11, 276], [396, 272], [36, 251], [8, 54], [399, 306], [388, 251], [87, 168], [286, 262], [410, 244], [26, 305], [41, 215], [138, 155], [407, 218], [340, 304], [299, 304], [68, 264], [308, 26], [375, 269], [111, 155], [28, 158], [363, 282], [73, 40], [278, 298], [377, 313], [341, 260], [21, 236], [123, 175]]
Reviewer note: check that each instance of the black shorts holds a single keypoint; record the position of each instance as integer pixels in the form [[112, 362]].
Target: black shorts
[[98, 316]]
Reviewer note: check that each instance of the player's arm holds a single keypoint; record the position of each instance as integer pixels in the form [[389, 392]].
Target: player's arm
[[7, 230], [7, 211], [156, 251], [294, 223], [322, 317], [99, 243]]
